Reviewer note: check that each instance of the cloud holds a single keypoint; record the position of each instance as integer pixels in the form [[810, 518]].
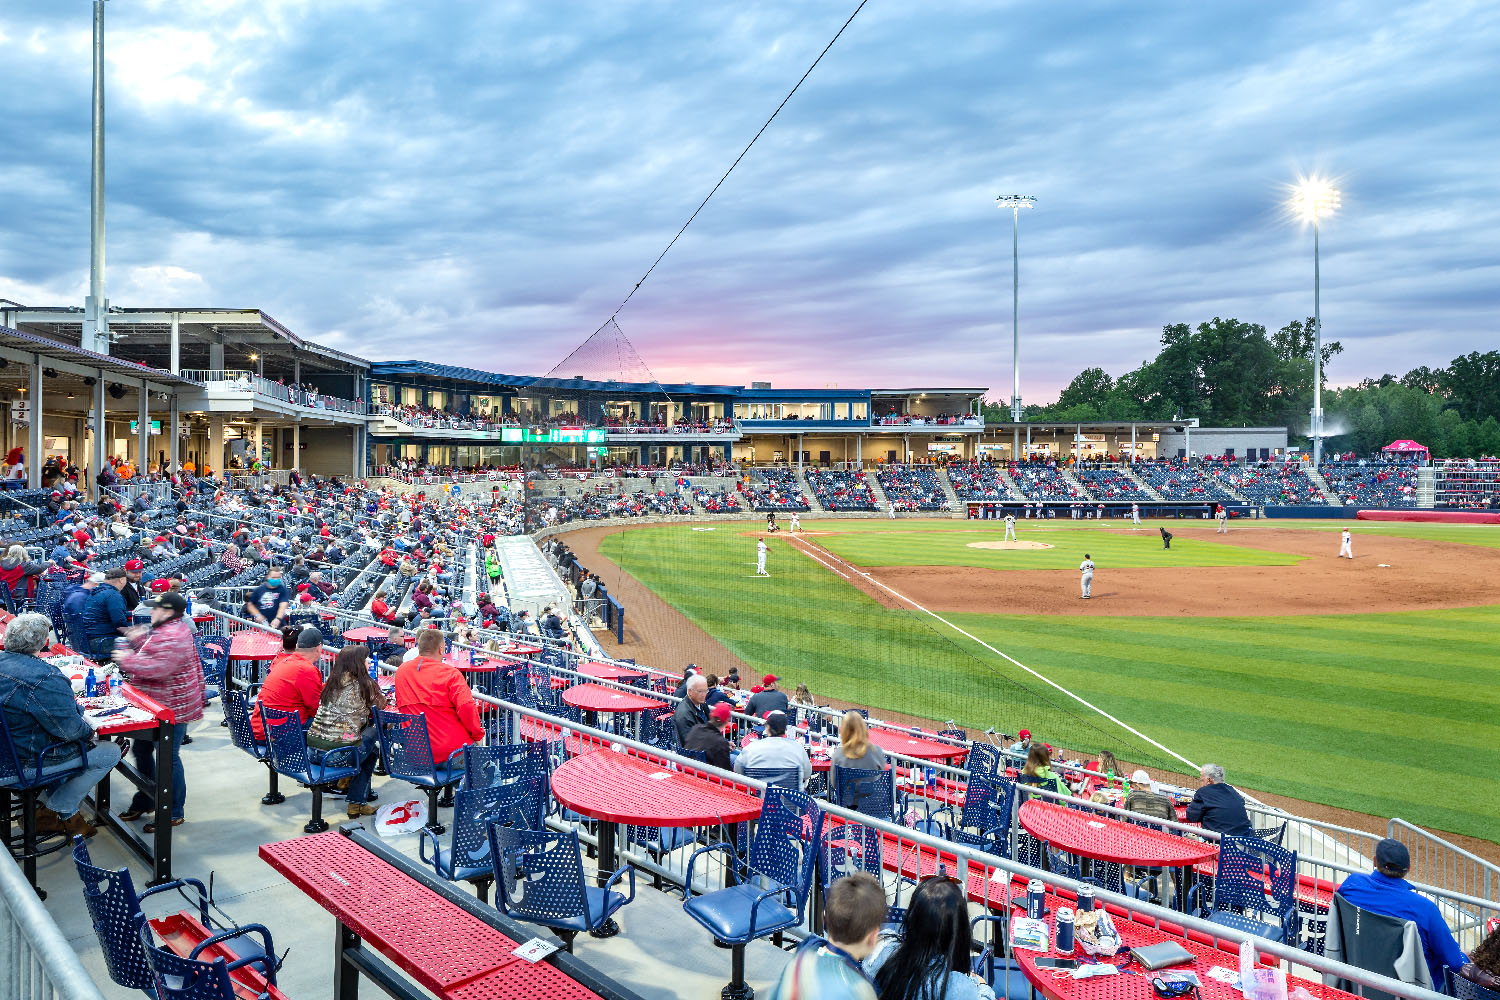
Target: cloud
[[486, 182]]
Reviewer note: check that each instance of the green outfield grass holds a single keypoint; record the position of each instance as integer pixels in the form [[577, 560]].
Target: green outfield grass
[[1393, 714]]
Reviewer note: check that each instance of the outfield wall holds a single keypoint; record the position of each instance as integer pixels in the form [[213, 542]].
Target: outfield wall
[[1311, 510], [1432, 516]]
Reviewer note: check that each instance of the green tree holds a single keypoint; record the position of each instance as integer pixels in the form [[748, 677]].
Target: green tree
[[1472, 384], [1090, 386]]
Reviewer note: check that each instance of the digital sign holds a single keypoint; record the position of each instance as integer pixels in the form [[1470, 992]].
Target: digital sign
[[555, 435]]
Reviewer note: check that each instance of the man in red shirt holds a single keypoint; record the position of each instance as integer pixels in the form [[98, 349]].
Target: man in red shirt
[[295, 683], [427, 686]]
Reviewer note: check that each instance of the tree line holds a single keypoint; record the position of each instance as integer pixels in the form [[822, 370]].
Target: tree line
[[1227, 373]]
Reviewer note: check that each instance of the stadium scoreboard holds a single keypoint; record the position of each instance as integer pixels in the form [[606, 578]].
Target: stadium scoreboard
[[554, 435]]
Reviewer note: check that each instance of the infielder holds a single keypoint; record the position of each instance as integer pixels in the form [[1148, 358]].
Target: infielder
[[1010, 526], [1135, 514], [1223, 528], [1087, 580], [1346, 545], [796, 523], [760, 557]]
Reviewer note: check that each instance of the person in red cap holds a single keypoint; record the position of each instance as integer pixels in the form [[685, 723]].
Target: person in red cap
[[1022, 746], [132, 589], [768, 699], [160, 585], [709, 737]]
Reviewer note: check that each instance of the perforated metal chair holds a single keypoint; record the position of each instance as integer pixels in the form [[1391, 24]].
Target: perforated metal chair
[[539, 878], [467, 856], [865, 790], [213, 653], [28, 783], [114, 907], [188, 978], [993, 969], [521, 764], [984, 759], [772, 882], [781, 777], [289, 754], [1465, 989], [406, 753], [1272, 834], [1255, 889], [237, 708], [983, 820]]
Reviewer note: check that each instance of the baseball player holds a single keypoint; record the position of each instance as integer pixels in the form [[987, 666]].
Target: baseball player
[[770, 521], [1223, 516], [1166, 538], [890, 509], [760, 557], [1346, 545], [796, 523], [1135, 514], [1010, 526], [1087, 580]]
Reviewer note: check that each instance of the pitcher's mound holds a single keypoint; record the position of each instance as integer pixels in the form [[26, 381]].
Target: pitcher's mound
[[1009, 545]]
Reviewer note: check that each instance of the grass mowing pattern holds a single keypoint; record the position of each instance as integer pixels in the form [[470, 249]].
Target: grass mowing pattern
[[1392, 714]]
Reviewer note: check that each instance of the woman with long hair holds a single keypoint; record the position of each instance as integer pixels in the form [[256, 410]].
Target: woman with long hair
[[855, 748], [931, 961], [1038, 770], [343, 719]]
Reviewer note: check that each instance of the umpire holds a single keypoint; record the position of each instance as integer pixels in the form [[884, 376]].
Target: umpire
[[1166, 538]]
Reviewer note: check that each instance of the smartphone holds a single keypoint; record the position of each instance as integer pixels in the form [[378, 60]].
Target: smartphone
[[1056, 963]]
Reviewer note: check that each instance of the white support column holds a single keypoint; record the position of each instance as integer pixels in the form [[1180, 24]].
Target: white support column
[[216, 356], [255, 447], [176, 363], [1132, 443], [143, 432], [34, 456], [174, 446], [214, 457], [296, 462], [96, 460]]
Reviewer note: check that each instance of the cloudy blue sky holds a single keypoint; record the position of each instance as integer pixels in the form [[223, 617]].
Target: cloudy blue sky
[[482, 182]]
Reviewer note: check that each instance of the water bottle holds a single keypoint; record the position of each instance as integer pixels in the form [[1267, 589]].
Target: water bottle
[[90, 684], [931, 776], [115, 683]]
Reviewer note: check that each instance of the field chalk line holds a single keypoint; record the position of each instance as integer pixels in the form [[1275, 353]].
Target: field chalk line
[[1000, 653]]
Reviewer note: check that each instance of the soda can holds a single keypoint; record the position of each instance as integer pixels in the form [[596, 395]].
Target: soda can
[[1064, 931], [1085, 898], [1036, 899]]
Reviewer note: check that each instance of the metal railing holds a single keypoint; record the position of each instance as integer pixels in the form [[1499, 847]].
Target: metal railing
[[1446, 864], [36, 961], [230, 380]]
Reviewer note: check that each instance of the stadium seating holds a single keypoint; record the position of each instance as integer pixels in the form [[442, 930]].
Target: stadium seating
[[775, 489], [840, 490], [1182, 481], [979, 481], [1038, 481], [1111, 484], [913, 487], [1467, 483], [718, 501], [1269, 483], [1380, 484]]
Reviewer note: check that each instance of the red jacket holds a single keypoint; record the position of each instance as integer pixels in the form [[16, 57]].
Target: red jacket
[[436, 690], [165, 666], [293, 685], [381, 611]]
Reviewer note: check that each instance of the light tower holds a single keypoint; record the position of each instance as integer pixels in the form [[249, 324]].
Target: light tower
[[96, 306], [1315, 199], [1015, 203]]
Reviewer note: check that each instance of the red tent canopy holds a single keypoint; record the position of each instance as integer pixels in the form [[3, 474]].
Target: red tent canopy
[[1407, 447]]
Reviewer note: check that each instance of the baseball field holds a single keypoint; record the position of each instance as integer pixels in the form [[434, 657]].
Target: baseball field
[[1370, 684]]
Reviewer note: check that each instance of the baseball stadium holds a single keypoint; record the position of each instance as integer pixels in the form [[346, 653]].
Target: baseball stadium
[[579, 683]]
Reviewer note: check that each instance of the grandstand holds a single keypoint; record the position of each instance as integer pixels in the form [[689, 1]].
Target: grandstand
[[1181, 480], [913, 487], [1380, 484], [841, 490], [1111, 485], [777, 490], [1277, 484], [1467, 484], [1044, 481], [979, 481]]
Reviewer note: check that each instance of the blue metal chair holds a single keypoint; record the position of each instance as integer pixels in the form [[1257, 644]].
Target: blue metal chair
[[771, 884], [984, 759], [984, 819], [213, 653], [1272, 834], [467, 856], [1015, 986], [28, 784], [188, 978], [539, 878], [523, 764], [781, 777], [865, 790], [289, 754], [1465, 989], [1255, 889], [114, 907], [406, 753], [237, 714]]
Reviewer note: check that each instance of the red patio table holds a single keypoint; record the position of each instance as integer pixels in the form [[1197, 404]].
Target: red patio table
[[902, 742], [619, 788], [152, 722], [255, 647], [596, 698], [364, 633], [609, 672], [444, 947], [1105, 839], [1138, 986], [818, 753]]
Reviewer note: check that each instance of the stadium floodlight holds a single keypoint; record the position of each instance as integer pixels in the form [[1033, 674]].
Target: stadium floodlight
[[96, 306], [1015, 202], [1314, 199]]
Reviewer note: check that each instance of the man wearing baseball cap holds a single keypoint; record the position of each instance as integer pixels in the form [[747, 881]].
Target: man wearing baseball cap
[[767, 699], [132, 589], [709, 737], [776, 749], [1386, 891]]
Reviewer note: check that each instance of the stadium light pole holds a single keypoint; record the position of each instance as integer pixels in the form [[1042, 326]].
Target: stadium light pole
[[1314, 199], [96, 307], [1015, 203]]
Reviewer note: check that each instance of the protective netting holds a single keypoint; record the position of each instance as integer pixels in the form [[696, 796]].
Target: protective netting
[[607, 356], [810, 623]]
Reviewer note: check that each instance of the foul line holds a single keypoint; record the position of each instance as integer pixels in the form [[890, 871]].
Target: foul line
[[1006, 656], [807, 548]]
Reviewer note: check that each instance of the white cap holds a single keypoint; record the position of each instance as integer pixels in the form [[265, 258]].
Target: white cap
[[95, 578], [1141, 778]]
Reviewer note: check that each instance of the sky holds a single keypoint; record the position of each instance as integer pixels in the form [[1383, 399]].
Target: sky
[[482, 183]]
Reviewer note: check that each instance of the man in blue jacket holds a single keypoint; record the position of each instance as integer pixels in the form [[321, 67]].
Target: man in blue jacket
[[1385, 890], [105, 617], [1218, 806]]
